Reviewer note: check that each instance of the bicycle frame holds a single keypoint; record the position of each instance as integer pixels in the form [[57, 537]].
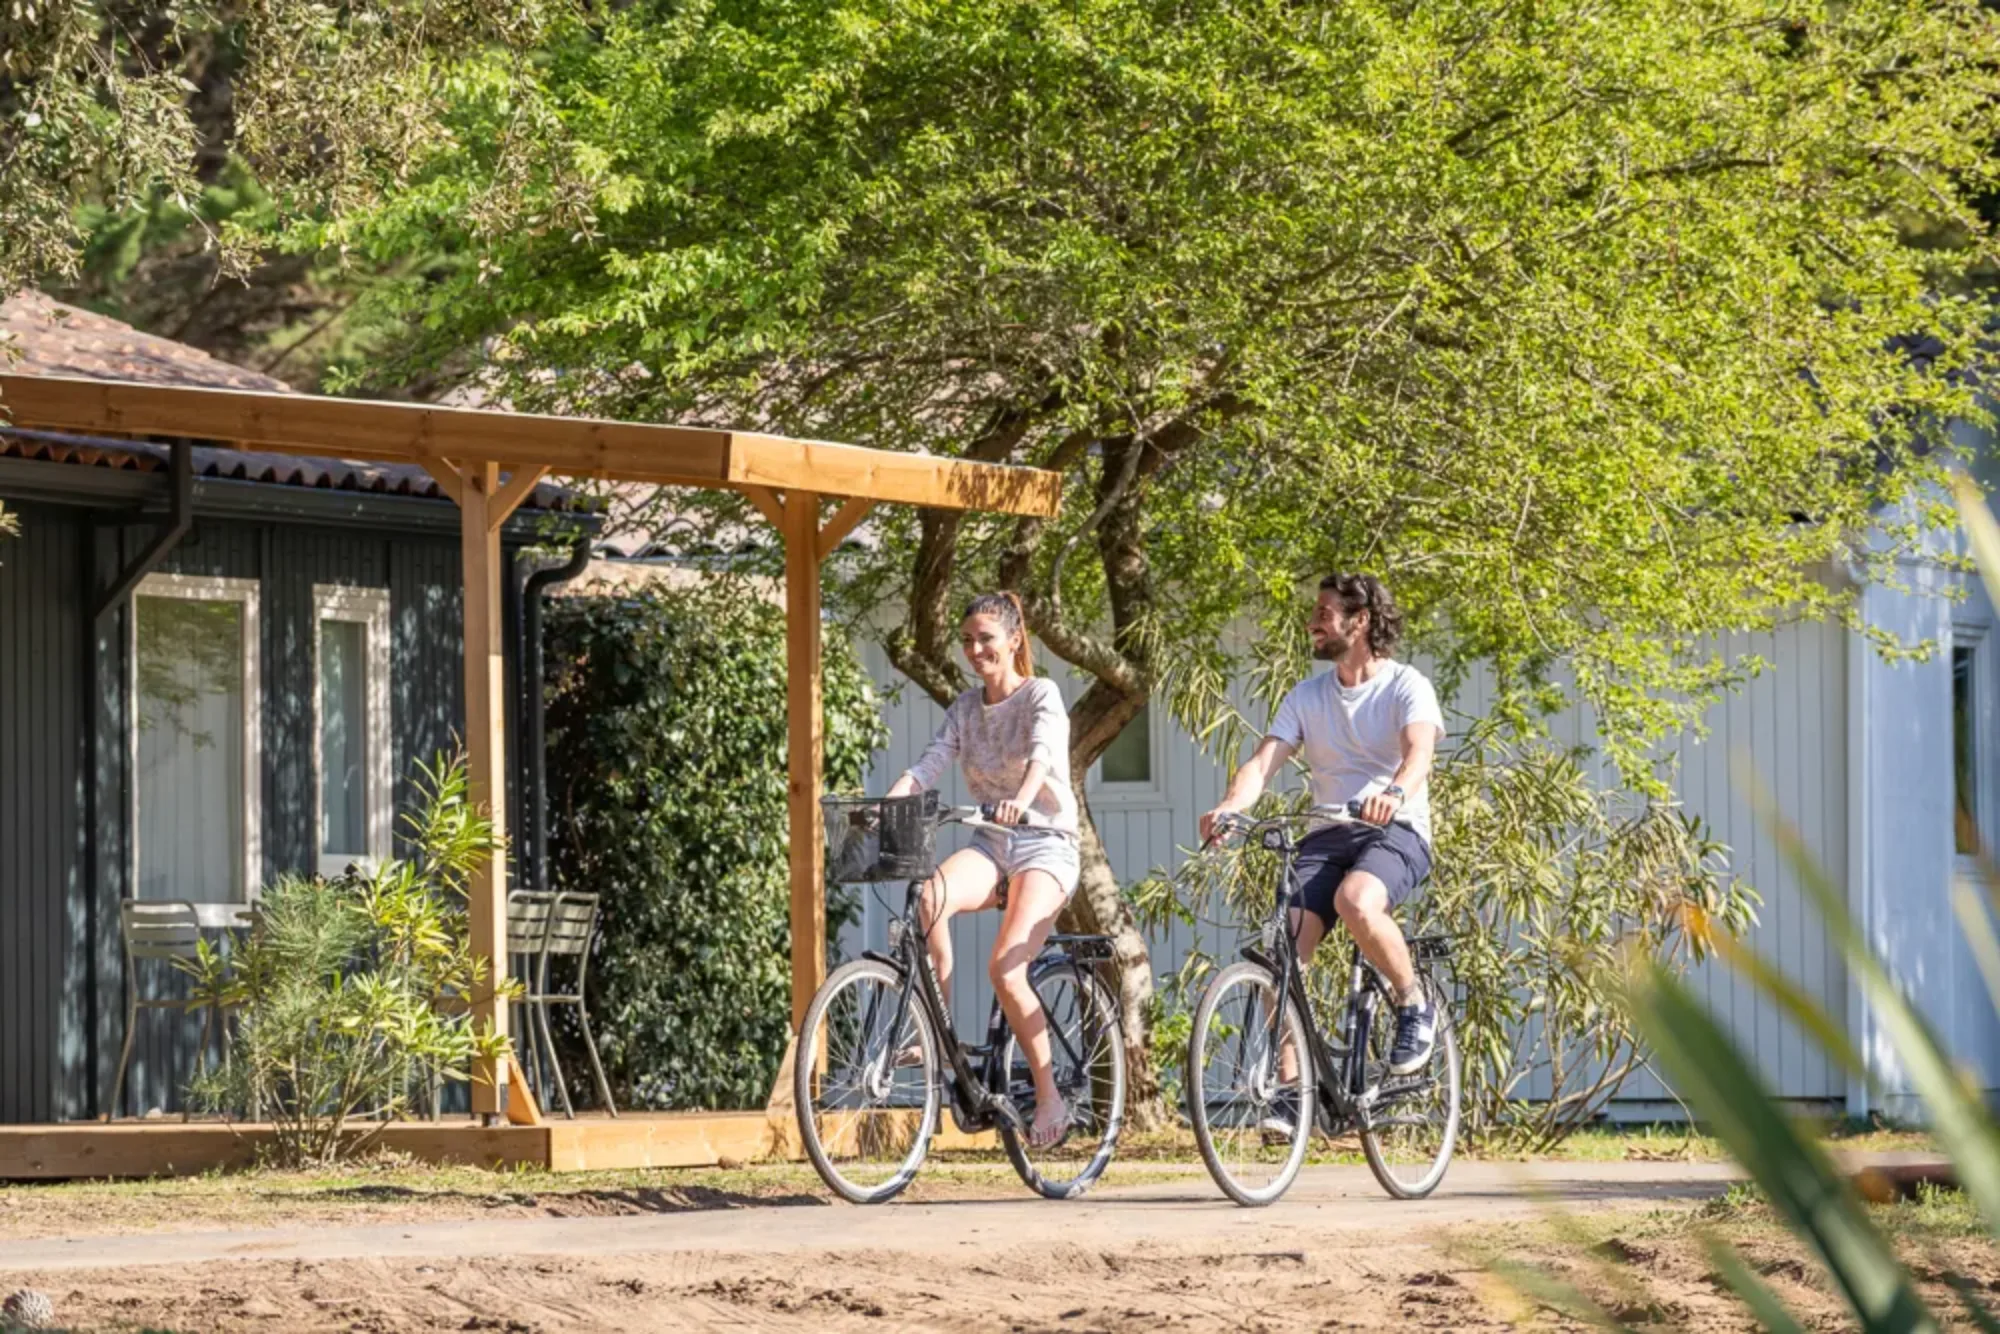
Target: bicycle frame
[[1342, 1091], [978, 1091]]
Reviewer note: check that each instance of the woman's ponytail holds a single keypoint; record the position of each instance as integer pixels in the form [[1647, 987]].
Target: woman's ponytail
[[1006, 605], [1024, 655]]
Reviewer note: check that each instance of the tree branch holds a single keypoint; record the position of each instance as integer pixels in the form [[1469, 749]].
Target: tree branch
[[923, 652]]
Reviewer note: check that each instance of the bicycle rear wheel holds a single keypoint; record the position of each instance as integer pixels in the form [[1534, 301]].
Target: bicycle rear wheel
[[1410, 1123], [1087, 1050], [1251, 1121], [865, 1085]]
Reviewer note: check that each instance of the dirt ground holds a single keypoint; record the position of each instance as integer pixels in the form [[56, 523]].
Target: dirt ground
[[1163, 1253]]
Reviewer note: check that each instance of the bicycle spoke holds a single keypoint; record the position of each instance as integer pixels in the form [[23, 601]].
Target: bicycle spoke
[[865, 1107], [1250, 1086], [1087, 1059], [1412, 1121]]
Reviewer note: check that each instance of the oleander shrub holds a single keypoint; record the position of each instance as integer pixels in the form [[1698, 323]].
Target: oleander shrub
[[347, 995], [667, 797]]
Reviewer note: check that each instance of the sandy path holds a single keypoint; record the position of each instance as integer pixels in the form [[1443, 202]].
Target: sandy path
[[1325, 1202], [1336, 1253]]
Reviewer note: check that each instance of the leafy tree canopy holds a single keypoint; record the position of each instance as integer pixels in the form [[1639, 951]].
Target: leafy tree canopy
[[122, 105], [1586, 325]]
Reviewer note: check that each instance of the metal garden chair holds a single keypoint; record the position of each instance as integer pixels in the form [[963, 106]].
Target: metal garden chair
[[544, 929], [162, 930]]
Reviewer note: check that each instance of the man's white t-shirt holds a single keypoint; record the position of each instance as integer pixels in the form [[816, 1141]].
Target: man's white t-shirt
[[1352, 736]]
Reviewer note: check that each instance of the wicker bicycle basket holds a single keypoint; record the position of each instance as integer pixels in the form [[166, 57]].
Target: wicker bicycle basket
[[880, 838]]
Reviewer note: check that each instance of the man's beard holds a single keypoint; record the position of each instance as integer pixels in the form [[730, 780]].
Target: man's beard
[[1332, 648]]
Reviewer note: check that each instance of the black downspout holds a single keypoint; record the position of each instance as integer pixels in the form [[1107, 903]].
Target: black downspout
[[180, 518], [534, 721]]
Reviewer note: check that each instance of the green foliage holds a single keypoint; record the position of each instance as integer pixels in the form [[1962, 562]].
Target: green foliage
[[667, 791], [1544, 882], [1579, 323], [115, 105], [347, 994]]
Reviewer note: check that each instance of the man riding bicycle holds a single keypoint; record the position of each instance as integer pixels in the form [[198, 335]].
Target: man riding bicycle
[[1369, 730]]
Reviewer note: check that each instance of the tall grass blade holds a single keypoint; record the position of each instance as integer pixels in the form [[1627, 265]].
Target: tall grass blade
[[1558, 1296], [1982, 1318], [1765, 1305], [1970, 907], [1707, 1069], [1792, 999], [1958, 1119], [1981, 530]]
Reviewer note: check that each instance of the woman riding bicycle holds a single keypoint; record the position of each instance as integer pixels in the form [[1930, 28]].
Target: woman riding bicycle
[[1010, 736]]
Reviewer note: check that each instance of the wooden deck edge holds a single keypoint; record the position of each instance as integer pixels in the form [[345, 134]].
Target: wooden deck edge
[[92, 1150], [126, 1150]]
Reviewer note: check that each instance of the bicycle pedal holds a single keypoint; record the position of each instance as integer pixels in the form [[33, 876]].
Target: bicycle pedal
[[1009, 1115]]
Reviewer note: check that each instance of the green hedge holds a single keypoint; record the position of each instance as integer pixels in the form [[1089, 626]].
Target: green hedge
[[667, 785]]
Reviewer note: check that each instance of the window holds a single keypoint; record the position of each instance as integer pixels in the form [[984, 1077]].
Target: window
[[195, 745], [351, 725], [1965, 747], [1130, 770], [1129, 758]]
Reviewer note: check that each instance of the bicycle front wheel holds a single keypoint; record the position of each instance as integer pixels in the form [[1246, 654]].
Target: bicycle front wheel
[[1087, 1053], [1409, 1123], [865, 1082], [1249, 1086]]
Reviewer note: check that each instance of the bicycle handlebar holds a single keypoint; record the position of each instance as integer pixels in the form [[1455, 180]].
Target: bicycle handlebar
[[1237, 823], [981, 817]]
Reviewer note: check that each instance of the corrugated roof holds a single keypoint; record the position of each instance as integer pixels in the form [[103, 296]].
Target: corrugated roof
[[42, 336]]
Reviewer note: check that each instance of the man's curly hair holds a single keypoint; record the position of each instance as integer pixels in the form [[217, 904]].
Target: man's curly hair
[[1364, 592]]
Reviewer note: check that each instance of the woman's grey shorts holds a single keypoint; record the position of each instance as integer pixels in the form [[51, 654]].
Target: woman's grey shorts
[[1024, 848]]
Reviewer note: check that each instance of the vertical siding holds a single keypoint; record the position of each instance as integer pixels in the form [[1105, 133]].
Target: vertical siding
[[66, 841], [1789, 722], [41, 631]]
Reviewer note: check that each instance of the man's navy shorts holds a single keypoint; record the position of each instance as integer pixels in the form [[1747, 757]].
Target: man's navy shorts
[[1393, 853]]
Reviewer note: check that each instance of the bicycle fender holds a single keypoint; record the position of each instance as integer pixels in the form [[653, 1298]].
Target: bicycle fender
[[878, 957]]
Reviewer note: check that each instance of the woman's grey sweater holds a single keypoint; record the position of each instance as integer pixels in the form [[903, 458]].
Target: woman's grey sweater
[[995, 743]]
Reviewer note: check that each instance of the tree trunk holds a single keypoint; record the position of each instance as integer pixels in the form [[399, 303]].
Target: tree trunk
[[1099, 909]]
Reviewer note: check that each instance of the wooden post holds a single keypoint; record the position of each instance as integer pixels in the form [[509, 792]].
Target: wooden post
[[806, 738], [486, 762]]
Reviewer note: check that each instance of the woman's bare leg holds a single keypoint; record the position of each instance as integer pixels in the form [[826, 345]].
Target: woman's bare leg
[[967, 882], [1033, 901]]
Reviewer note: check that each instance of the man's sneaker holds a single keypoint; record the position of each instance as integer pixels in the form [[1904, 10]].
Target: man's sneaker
[[1282, 1116], [1416, 1035]]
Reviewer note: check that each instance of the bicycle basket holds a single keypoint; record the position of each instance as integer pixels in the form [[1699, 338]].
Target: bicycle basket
[[880, 838]]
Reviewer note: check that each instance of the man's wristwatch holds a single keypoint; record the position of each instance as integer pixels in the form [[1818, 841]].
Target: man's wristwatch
[[1395, 790]]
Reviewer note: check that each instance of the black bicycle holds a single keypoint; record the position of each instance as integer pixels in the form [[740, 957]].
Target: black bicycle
[[1254, 1101], [877, 1054]]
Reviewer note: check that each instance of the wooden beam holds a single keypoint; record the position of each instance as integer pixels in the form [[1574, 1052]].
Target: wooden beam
[[769, 503], [361, 429], [520, 485], [521, 1107], [844, 521], [805, 742], [881, 474], [486, 766], [567, 446], [449, 479]]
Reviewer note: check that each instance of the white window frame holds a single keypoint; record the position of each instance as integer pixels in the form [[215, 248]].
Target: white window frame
[[370, 608], [247, 593], [1151, 794]]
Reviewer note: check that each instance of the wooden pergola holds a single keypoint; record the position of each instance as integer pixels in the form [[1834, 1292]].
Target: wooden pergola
[[489, 462]]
